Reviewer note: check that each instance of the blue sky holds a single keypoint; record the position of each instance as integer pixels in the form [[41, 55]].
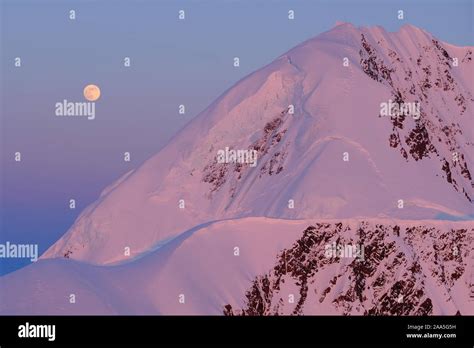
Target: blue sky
[[173, 62]]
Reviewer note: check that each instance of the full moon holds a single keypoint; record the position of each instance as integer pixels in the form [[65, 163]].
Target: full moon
[[91, 92]]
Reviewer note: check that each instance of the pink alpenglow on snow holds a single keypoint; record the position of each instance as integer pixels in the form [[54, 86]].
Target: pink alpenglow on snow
[[264, 266], [358, 136]]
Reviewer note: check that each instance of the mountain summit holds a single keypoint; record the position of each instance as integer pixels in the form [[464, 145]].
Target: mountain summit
[[316, 120]]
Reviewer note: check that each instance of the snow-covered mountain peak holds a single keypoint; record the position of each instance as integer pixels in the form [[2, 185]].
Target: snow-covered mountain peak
[[304, 138]]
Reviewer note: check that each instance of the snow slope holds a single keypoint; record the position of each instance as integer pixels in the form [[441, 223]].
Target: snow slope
[[300, 155]]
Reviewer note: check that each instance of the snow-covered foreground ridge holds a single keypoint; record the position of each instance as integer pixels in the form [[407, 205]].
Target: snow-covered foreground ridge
[[335, 156], [280, 266]]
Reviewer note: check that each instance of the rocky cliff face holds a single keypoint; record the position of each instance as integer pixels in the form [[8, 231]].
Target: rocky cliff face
[[427, 79], [413, 269]]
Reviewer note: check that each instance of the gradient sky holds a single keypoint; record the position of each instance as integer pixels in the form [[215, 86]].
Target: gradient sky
[[173, 62]]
